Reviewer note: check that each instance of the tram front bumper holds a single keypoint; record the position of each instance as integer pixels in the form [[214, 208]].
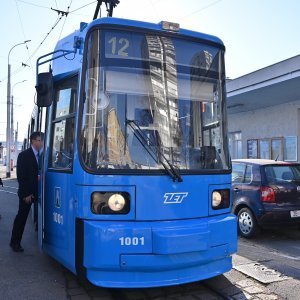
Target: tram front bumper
[[147, 254]]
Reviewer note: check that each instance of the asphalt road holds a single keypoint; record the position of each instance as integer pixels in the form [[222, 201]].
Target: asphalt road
[[277, 249]]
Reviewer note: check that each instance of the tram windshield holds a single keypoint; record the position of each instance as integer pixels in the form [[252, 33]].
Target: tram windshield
[[152, 102]]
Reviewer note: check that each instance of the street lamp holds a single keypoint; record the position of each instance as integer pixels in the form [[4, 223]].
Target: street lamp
[[8, 133], [12, 118]]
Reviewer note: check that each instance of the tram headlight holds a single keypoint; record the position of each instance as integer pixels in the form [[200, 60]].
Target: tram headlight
[[216, 198], [106, 203], [220, 199], [116, 202]]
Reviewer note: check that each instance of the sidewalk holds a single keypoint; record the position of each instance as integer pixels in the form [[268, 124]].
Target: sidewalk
[[32, 274], [13, 174]]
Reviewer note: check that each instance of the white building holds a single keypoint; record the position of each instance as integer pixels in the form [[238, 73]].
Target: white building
[[264, 112]]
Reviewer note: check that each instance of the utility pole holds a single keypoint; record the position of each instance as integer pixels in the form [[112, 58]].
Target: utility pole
[[16, 139], [12, 121], [8, 132], [8, 123]]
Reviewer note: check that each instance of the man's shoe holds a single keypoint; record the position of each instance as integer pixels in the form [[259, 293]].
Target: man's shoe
[[16, 247]]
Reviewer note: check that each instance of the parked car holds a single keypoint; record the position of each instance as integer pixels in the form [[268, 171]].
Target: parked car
[[266, 193]]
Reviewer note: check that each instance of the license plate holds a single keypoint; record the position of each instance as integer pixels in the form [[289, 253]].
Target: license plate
[[295, 213]]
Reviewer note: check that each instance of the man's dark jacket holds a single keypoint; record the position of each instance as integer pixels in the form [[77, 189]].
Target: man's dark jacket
[[27, 174]]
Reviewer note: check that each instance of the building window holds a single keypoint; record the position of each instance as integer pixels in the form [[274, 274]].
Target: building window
[[290, 148], [235, 145], [264, 149], [277, 149], [274, 148], [252, 149]]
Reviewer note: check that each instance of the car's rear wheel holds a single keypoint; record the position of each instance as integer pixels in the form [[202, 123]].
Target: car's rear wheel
[[247, 224]]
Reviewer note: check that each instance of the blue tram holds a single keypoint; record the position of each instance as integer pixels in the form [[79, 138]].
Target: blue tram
[[136, 174]]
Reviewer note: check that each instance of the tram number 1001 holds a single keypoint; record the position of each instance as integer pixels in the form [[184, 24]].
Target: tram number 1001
[[132, 241], [58, 218]]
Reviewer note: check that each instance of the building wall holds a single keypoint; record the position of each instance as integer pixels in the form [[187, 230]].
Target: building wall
[[277, 121]]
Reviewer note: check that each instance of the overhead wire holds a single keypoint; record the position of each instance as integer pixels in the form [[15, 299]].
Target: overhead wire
[[47, 7], [33, 4], [38, 47], [201, 9], [48, 33], [29, 56], [66, 14], [60, 16], [153, 3], [82, 7], [153, 6], [24, 36]]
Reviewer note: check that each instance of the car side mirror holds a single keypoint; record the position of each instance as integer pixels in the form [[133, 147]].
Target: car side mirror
[[44, 89]]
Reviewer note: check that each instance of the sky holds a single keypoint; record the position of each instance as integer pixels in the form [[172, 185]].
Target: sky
[[256, 34]]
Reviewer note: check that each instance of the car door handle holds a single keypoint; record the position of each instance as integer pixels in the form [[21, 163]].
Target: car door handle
[[236, 189]]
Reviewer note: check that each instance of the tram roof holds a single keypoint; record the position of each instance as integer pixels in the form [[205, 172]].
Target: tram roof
[[153, 26]]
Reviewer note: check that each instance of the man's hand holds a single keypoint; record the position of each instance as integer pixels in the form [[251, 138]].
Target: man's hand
[[29, 199]]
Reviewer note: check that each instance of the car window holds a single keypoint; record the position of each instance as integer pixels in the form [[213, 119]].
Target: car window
[[248, 174], [256, 176], [238, 171], [281, 174]]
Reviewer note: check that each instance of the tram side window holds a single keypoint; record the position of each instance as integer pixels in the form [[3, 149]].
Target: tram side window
[[63, 126]]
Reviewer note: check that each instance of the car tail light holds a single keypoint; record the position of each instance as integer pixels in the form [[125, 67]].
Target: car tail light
[[267, 194]]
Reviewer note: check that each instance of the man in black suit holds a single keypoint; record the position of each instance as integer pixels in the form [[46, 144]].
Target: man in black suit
[[27, 175]]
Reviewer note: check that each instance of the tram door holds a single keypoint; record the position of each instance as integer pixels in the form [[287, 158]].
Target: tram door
[[58, 181], [40, 204]]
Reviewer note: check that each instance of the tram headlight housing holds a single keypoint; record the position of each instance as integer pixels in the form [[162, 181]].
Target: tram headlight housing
[[116, 202], [220, 199], [109, 203]]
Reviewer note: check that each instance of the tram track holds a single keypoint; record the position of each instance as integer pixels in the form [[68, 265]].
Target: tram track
[[232, 285], [118, 294], [216, 291], [217, 288], [197, 291]]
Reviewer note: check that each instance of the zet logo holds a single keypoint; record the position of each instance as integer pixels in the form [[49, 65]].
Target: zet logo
[[174, 198]]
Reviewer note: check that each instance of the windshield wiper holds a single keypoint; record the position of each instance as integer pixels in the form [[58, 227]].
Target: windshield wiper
[[147, 144]]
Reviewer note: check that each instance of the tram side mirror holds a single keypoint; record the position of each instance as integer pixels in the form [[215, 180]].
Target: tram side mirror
[[44, 89]]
